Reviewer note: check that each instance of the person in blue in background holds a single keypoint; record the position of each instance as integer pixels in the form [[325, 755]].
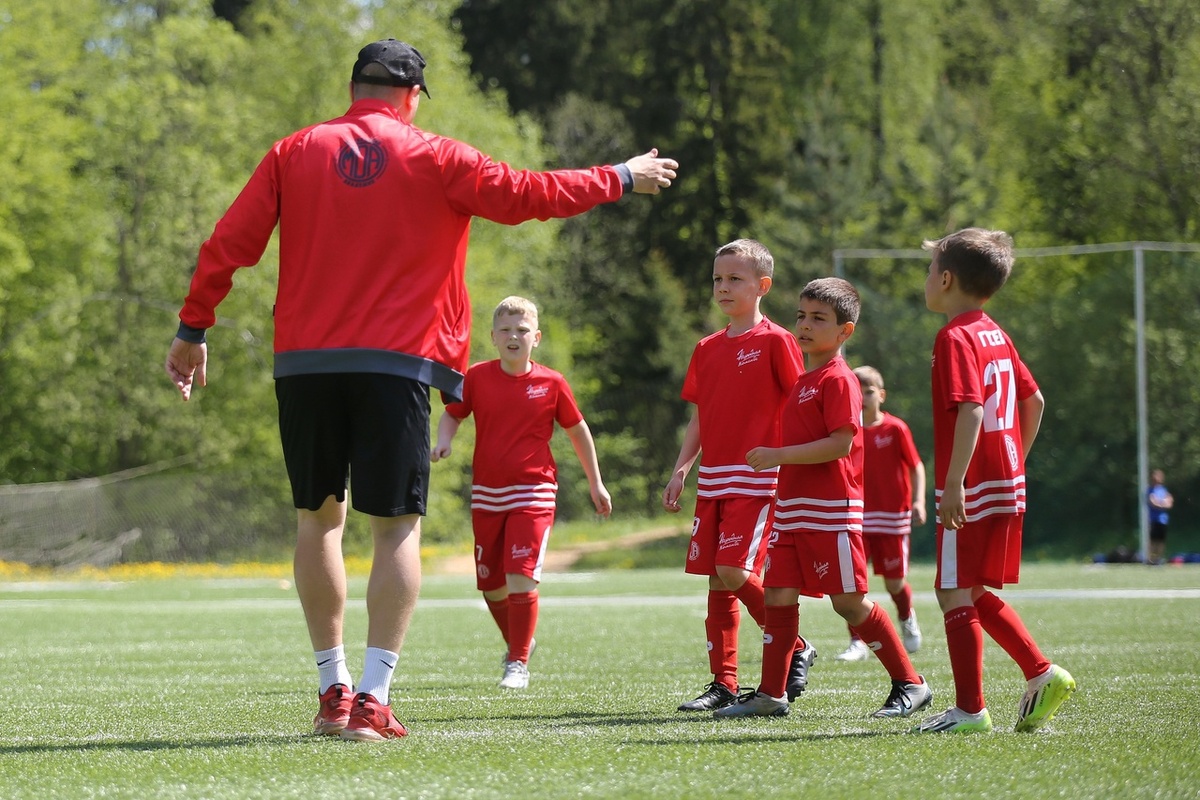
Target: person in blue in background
[[1159, 502]]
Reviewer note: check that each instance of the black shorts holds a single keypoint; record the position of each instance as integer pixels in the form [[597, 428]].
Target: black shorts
[[1158, 531], [369, 428]]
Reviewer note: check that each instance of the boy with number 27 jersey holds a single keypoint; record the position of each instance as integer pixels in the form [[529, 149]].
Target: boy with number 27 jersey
[[987, 410], [975, 361]]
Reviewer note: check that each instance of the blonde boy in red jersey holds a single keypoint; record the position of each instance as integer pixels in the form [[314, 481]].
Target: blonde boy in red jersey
[[987, 409], [817, 545], [737, 379], [893, 501], [516, 403]]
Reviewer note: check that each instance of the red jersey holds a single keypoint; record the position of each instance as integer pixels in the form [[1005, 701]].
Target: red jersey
[[738, 385], [889, 458], [826, 496], [374, 216], [514, 419], [974, 361]]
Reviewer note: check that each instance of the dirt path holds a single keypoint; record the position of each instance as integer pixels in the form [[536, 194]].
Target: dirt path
[[559, 558]]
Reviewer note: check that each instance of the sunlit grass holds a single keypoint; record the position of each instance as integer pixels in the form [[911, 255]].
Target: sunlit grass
[[203, 686]]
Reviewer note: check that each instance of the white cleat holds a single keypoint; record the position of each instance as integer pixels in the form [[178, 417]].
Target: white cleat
[[910, 633], [857, 651], [516, 675]]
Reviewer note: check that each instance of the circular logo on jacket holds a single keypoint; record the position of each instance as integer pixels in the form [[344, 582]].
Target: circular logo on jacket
[[361, 162]]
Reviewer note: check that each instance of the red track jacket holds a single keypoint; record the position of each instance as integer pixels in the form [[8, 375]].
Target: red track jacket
[[374, 216]]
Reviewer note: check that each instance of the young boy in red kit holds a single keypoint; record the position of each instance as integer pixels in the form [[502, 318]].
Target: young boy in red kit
[[737, 379], [516, 403], [893, 501], [817, 545], [987, 409]]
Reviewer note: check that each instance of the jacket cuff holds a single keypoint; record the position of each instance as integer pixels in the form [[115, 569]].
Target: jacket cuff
[[626, 178], [189, 334]]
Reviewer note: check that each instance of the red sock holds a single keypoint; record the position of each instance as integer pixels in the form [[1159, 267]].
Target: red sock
[[1001, 622], [903, 600], [964, 640], [721, 625], [751, 595], [779, 639], [522, 620], [877, 631], [499, 609]]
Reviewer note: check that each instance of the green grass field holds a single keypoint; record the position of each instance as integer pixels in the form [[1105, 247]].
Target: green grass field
[[205, 689]]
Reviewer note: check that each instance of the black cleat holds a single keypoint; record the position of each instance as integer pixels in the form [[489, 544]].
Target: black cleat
[[715, 696], [802, 661]]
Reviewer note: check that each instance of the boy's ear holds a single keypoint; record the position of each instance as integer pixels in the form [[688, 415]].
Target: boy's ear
[[764, 285], [847, 330]]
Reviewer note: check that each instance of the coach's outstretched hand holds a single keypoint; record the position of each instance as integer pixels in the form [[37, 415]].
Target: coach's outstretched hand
[[651, 173], [186, 362]]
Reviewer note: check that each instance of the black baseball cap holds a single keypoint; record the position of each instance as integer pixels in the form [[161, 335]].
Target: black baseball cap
[[404, 63]]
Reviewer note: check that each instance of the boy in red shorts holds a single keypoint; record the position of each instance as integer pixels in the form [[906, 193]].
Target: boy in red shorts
[[737, 379], [516, 403], [817, 545], [986, 413], [893, 501]]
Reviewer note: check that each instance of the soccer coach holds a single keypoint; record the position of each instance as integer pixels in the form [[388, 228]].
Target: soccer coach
[[371, 312]]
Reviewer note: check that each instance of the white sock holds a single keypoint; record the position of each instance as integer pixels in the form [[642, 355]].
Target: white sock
[[377, 673], [331, 664]]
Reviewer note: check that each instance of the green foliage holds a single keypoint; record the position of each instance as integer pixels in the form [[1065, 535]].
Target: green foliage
[[129, 128]]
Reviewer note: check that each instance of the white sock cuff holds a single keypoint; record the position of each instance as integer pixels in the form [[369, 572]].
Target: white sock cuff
[[377, 673]]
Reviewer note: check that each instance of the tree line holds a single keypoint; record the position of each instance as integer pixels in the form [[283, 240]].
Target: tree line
[[129, 127]]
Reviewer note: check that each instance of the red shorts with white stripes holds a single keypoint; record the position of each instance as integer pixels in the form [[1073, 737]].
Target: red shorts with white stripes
[[730, 532], [510, 542], [817, 563], [982, 553]]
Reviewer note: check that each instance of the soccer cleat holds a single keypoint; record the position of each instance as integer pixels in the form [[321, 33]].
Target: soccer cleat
[[857, 651], [754, 704], [715, 695], [516, 675], [372, 721], [910, 632], [532, 647], [334, 712], [802, 661], [904, 699], [955, 720], [1046, 693]]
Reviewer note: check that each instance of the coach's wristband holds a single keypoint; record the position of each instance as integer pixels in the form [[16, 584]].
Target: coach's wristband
[[626, 178], [190, 334]]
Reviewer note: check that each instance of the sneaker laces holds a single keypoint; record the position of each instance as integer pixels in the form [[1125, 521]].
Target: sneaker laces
[[898, 697], [716, 689], [746, 695]]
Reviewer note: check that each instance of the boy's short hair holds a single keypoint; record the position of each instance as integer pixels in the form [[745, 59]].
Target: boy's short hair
[[755, 251], [980, 260], [869, 376], [837, 293], [516, 305]]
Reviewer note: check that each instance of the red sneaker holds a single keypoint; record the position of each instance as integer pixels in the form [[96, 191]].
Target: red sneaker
[[334, 712], [372, 721]]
